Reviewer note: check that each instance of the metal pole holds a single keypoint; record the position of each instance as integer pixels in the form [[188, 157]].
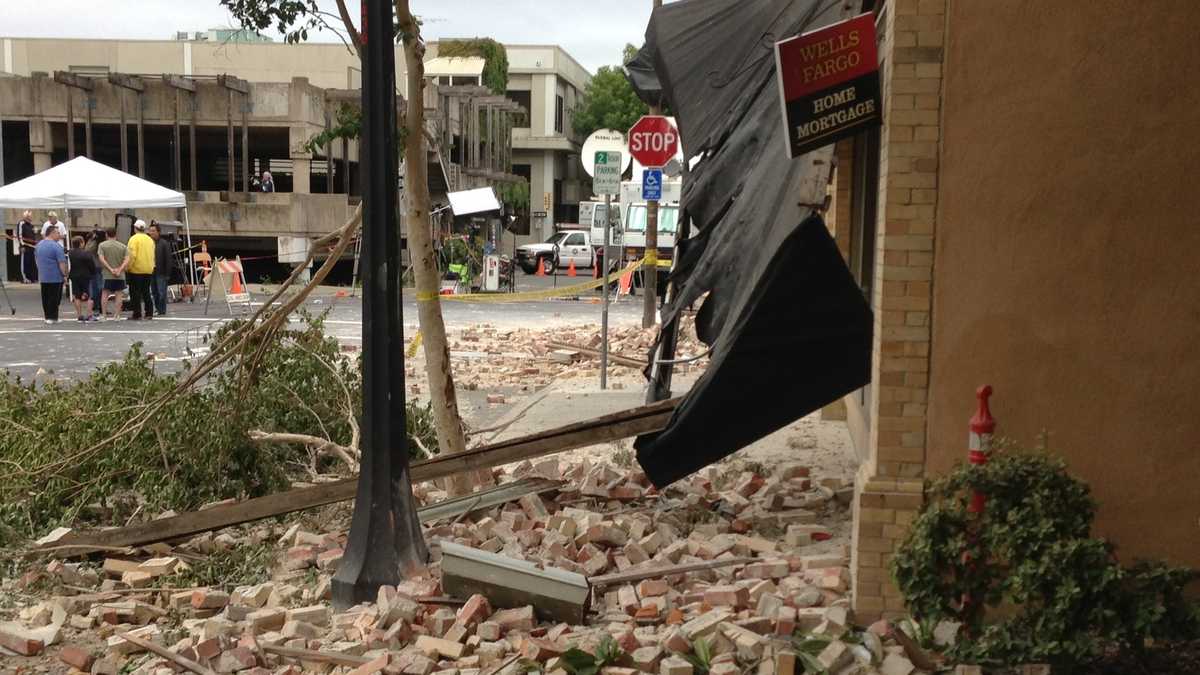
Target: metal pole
[[2, 179], [604, 288], [385, 543], [650, 269]]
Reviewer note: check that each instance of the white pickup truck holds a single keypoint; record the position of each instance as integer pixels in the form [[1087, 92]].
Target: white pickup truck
[[559, 250]]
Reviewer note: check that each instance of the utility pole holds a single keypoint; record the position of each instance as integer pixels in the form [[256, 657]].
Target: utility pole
[[650, 273], [385, 543]]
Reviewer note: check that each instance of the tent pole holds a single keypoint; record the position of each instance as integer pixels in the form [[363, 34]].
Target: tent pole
[[187, 228]]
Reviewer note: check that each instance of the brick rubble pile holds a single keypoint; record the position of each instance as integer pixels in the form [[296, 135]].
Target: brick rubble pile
[[600, 521]]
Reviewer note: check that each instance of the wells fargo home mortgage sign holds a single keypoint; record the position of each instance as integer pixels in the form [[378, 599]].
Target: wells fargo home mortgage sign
[[829, 83]]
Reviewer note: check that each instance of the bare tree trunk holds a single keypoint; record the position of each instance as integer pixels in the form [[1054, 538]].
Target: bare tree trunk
[[451, 436]]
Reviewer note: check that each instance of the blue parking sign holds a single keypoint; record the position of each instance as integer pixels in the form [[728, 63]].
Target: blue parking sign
[[652, 184]]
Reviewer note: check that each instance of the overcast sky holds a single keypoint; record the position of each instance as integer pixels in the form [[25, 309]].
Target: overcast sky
[[593, 32]]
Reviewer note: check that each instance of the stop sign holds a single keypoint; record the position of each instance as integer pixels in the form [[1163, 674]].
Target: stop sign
[[653, 140]]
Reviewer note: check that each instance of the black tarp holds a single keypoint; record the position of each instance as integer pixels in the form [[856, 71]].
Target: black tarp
[[639, 71], [789, 328]]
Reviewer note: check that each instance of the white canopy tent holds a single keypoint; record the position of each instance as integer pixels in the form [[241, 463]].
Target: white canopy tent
[[84, 184]]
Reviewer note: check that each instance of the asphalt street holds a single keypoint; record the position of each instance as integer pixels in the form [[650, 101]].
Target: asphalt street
[[70, 349]]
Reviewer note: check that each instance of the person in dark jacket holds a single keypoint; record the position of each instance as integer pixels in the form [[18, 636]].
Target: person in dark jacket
[[97, 285], [28, 233], [83, 269], [164, 265]]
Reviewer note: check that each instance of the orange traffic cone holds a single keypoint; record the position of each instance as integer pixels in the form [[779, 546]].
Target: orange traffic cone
[[626, 284], [237, 283], [541, 267], [571, 268]]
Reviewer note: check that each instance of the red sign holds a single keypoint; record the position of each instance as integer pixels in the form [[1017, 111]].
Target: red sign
[[653, 141], [829, 83]]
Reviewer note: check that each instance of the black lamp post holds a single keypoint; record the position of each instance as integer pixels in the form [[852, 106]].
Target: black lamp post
[[385, 542]]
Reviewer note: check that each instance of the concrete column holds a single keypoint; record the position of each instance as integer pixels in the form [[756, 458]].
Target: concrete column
[[41, 144], [301, 160], [301, 175]]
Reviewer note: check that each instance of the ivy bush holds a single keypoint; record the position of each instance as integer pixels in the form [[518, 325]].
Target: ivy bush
[[494, 55], [1041, 588], [196, 448]]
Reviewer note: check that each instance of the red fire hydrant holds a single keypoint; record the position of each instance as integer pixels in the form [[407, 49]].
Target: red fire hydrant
[[980, 440]]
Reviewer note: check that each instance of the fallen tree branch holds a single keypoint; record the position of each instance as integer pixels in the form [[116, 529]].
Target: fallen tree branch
[[265, 320], [320, 445], [612, 427]]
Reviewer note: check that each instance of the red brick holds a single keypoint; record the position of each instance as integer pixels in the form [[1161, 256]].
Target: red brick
[[77, 658], [476, 609]]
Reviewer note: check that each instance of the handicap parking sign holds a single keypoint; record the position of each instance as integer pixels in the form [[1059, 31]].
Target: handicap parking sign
[[652, 184]]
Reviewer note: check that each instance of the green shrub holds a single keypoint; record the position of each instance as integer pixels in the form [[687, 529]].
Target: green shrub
[[195, 449], [1043, 589]]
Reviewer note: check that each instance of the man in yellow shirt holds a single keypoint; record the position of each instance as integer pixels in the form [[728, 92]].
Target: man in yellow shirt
[[141, 271]]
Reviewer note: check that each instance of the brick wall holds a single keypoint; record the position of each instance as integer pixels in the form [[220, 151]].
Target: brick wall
[[837, 219], [890, 483]]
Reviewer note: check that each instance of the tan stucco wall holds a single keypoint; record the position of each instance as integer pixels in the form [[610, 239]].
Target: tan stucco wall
[[1067, 248]]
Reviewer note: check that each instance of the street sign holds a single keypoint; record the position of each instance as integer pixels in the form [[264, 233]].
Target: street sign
[[652, 184], [653, 140], [607, 177], [606, 140], [829, 83]]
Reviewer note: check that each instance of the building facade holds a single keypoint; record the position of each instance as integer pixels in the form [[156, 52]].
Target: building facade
[[249, 106], [1023, 219]]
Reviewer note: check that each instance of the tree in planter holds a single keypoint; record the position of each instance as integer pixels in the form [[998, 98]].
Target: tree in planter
[[294, 18], [1062, 596]]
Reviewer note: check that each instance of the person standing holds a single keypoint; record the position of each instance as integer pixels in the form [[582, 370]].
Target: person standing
[[268, 183], [96, 287], [53, 222], [52, 269], [141, 272], [28, 234], [164, 265], [114, 258], [83, 268]]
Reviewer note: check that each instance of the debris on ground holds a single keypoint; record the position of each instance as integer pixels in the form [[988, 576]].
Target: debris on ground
[[732, 562]]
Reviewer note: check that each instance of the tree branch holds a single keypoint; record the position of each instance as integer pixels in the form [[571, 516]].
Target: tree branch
[[355, 38], [321, 445]]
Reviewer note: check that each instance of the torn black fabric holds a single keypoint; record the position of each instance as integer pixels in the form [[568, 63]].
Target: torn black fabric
[[789, 327], [639, 71]]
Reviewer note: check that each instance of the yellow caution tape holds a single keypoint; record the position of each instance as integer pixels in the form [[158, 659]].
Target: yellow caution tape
[[541, 295], [427, 296], [651, 257], [412, 348]]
